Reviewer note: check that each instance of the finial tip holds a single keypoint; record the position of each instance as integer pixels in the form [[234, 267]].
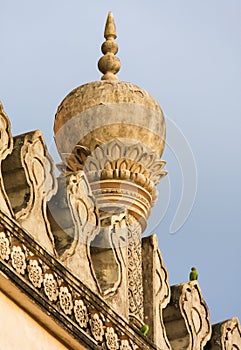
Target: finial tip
[[109, 64], [110, 28]]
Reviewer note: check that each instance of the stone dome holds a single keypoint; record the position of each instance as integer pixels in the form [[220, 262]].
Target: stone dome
[[97, 112], [100, 111]]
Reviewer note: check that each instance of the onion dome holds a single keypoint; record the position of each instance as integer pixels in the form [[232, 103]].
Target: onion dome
[[98, 112]]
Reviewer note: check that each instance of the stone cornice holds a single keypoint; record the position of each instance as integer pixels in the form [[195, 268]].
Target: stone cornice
[[60, 295]]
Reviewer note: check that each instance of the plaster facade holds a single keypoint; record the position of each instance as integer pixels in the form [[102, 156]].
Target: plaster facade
[[20, 331]]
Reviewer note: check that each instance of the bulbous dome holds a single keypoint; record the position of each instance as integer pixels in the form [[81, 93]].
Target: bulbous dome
[[97, 112]]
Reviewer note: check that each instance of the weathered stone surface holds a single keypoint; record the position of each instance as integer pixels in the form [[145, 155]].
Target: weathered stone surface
[[91, 244], [58, 300], [109, 258], [6, 146], [156, 291], [134, 265], [122, 177], [109, 64], [30, 182], [74, 224], [226, 335], [186, 318], [123, 109], [115, 132], [61, 219]]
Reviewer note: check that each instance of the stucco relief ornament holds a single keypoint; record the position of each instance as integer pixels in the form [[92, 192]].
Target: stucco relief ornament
[[65, 299], [124, 345], [80, 313], [35, 273], [4, 245], [96, 326], [18, 258], [50, 286], [111, 337]]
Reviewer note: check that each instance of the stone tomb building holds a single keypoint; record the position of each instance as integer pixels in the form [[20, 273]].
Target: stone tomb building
[[71, 248]]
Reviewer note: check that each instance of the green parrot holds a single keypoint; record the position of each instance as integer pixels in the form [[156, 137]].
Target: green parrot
[[144, 329], [193, 274]]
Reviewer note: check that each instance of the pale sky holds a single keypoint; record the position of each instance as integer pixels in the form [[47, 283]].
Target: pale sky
[[187, 55]]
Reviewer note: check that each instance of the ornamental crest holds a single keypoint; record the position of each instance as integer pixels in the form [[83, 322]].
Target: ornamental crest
[[35, 273], [4, 246], [18, 258], [80, 313], [125, 344], [50, 286], [111, 339], [96, 326], [65, 299]]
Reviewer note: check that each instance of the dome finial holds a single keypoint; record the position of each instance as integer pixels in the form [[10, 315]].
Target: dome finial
[[109, 64]]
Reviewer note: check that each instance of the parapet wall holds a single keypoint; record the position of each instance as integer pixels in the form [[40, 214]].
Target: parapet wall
[[79, 272]]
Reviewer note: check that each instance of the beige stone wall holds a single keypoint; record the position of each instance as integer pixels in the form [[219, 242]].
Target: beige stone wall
[[19, 331]]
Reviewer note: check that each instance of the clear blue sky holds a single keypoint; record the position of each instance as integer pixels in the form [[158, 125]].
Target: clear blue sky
[[186, 54]]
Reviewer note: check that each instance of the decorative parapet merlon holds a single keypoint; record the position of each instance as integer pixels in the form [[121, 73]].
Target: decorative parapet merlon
[[62, 296], [186, 318], [28, 175], [74, 224], [6, 146], [156, 291], [226, 335]]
